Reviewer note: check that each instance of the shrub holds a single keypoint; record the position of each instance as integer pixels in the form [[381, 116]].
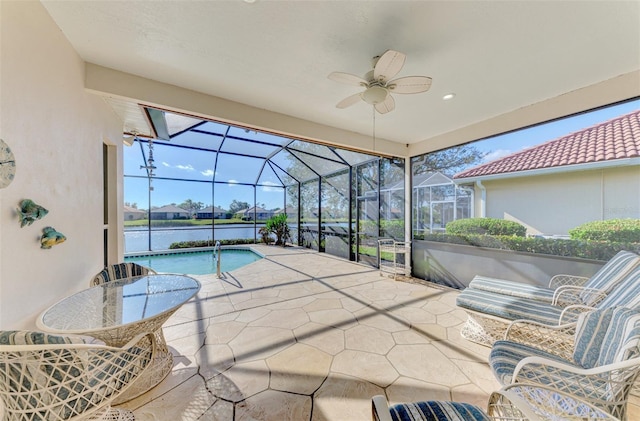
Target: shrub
[[209, 243], [278, 225], [485, 226], [619, 230], [265, 235], [393, 228], [593, 250]]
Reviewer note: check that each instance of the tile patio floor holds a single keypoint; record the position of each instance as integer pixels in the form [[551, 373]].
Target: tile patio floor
[[305, 336]]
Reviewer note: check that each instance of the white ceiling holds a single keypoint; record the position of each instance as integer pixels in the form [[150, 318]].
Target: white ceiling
[[496, 56]]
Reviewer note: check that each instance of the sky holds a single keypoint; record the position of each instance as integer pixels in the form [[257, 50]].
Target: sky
[[198, 165]]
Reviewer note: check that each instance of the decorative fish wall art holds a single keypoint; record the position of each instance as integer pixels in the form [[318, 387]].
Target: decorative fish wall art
[[29, 212], [51, 237]]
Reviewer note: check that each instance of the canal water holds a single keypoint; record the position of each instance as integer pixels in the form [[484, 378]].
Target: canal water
[[136, 239]]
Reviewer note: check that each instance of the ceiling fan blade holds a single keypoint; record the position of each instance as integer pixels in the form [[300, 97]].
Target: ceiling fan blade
[[349, 101], [388, 65], [348, 79], [385, 106], [409, 85]]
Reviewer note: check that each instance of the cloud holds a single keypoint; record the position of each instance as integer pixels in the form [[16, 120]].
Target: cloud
[[501, 153], [497, 154], [207, 173], [187, 167], [266, 188], [232, 182]]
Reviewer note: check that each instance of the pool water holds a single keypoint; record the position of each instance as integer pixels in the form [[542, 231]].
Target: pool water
[[196, 263]]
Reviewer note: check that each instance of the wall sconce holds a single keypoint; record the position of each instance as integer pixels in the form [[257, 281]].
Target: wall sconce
[[128, 139]]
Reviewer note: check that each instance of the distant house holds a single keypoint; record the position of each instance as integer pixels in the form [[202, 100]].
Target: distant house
[[291, 212], [211, 212], [133, 214], [589, 175], [259, 213], [169, 212]]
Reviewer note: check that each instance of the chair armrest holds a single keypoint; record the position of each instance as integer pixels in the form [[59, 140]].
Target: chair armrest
[[562, 279], [571, 368], [570, 294], [558, 340], [606, 386], [380, 409], [507, 405], [570, 313]]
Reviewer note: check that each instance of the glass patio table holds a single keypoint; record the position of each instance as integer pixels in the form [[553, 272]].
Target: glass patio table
[[115, 312]]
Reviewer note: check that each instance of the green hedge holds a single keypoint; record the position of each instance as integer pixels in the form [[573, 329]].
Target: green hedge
[[393, 228], [594, 250], [208, 243], [485, 226], [618, 230]]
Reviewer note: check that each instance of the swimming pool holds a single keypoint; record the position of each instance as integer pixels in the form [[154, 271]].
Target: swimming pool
[[197, 262]]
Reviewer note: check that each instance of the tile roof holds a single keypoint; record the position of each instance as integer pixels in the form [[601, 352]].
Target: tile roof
[[614, 139], [130, 209]]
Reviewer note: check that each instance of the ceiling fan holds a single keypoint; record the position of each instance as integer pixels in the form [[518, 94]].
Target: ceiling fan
[[379, 85]]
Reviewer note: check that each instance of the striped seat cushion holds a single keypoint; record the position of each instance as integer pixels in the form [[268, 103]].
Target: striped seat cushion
[[28, 337], [509, 307], [516, 289], [626, 293], [437, 411], [622, 339], [505, 355], [119, 271], [612, 274]]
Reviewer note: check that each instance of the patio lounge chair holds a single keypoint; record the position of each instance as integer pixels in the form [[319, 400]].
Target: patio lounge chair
[[566, 289], [516, 402], [489, 313], [120, 271], [601, 370], [50, 377]]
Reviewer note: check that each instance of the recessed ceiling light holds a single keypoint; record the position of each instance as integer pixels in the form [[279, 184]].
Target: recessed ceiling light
[[250, 1], [449, 96]]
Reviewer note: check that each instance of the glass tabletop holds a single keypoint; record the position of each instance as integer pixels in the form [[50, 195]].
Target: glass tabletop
[[118, 303]]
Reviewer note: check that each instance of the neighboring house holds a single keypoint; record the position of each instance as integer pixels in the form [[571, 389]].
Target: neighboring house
[[259, 213], [133, 214], [211, 212], [291, 212], [169, 212], [589, 175]]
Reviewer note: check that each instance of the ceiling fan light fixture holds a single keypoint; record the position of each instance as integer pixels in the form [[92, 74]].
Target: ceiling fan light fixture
[[375, 95], [449, 96]]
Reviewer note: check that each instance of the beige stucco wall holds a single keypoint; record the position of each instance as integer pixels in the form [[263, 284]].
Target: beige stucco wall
[[553, 204], [56, 130]]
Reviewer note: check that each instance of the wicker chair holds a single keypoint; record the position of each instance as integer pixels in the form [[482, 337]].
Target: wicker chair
[[49, 377], [517, 402], [120, 271], [566, 289], [163, 359], [602, 368], [490, 314]]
